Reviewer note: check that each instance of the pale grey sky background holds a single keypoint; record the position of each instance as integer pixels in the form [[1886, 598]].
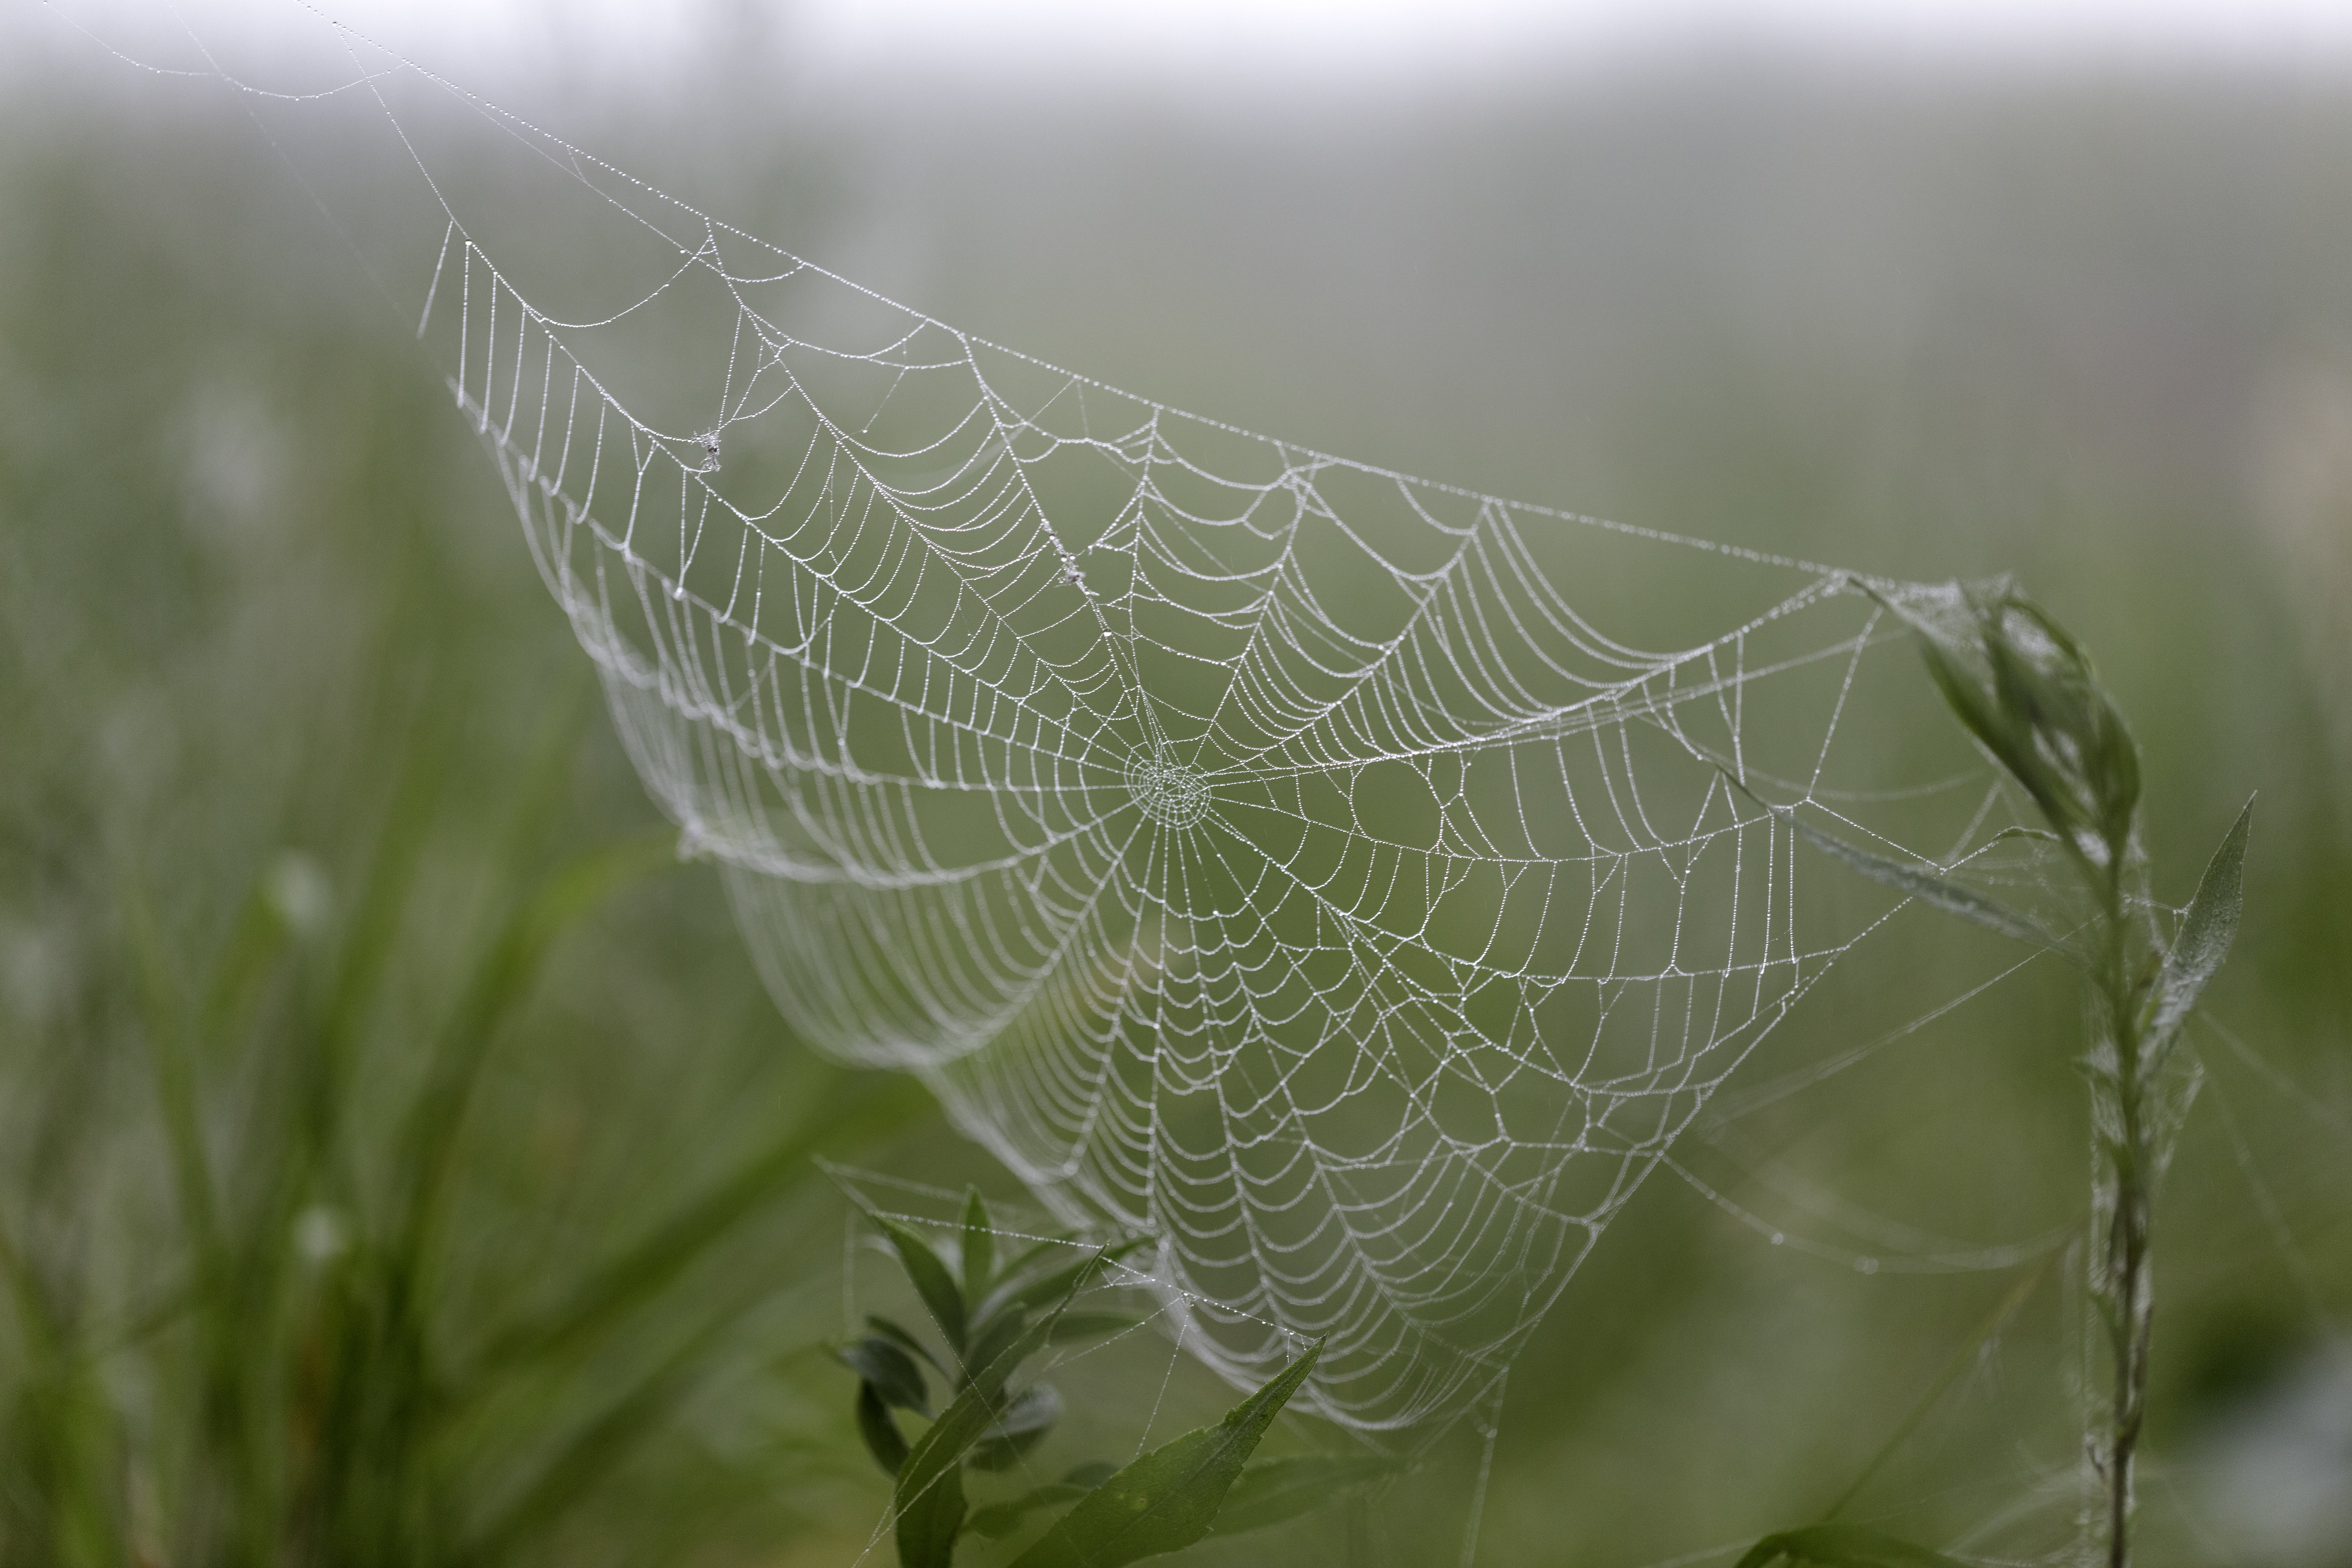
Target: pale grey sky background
[[1182, 45]]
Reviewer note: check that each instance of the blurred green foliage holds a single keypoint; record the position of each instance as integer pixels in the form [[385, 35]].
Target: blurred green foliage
[[510, 1250]]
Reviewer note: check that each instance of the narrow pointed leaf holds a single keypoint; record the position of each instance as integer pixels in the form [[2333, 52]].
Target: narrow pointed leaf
[[1059, 1284], [905, 1340], [1273, 1490], [1842, 1546], [1167, 1499], [1072, 1326], [1966, 700], [1927, 888], [1001, 1519], [932, 1280], [978, 1248], [890, 1370], [1043, 1248], [929, 1500], [1022, 1427], [990, 1335], [2206, 932], [880, 1432]]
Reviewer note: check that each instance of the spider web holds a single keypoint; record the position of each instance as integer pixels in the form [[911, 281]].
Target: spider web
[[1353, 883]]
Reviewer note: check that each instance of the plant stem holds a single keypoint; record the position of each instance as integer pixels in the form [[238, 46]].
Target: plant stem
[[2122, 1212]]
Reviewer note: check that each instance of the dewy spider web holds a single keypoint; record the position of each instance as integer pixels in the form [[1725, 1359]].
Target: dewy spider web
[[1340, 877]]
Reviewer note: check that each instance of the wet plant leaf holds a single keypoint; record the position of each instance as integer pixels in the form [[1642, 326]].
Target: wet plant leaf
[[1273, 1490], [2206, 934], [992, 1334], [928, 1500], [1937, 892], [900, 1337], [890, 1370], [929, 1277], [999, 1520], [1059, 1284], [978, 1248], [1022, 1427], [880, 1432], [1167, 1499], [1072, 1326], [1842, 1546]]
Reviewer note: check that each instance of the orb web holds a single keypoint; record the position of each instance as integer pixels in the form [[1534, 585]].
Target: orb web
[[1171, 792], [1351, 881]]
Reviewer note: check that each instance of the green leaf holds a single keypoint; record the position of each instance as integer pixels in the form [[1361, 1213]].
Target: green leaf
[[1022, 1427], [978, 1248], [999, 1520], [1928, 888], [992, 1334], [501, 982], [2038, 708], [671, 1243], [1088, 1325], [1273, 1490], [1042, 1248], [890, 1370], [1842, 1546], [898, 1336], [2206, 933], [932, 1280], [1167, 1499], [1060, 1285], [928, 1500], [880, 1430], [1982, 718], [585, 1459]]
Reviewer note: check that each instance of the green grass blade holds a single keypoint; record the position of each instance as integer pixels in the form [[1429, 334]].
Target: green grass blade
[[499, 985], [593, 1451], [876, 1105]]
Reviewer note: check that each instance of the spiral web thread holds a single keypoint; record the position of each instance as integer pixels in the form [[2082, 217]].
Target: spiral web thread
[[1354, 882]]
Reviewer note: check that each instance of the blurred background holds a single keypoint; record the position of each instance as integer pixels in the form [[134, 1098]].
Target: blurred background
[[323, 874]]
